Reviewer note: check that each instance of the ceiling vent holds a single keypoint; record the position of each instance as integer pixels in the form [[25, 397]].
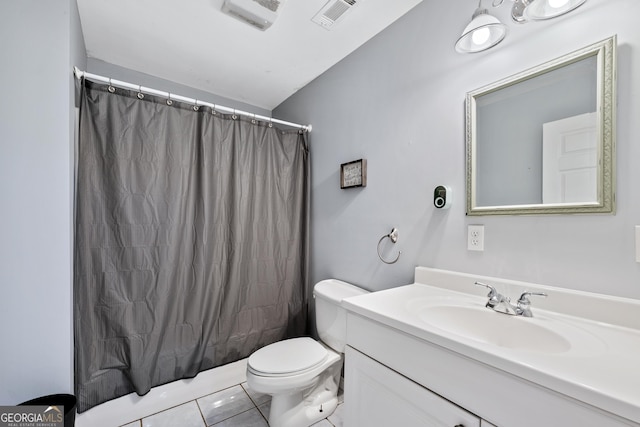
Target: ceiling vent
[[333, 12], [257, 13]]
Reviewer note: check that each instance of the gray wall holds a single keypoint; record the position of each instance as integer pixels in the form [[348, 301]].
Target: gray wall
[[399, 102], [41, 40]]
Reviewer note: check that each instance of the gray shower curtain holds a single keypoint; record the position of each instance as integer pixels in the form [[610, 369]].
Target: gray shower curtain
[[191, 241]]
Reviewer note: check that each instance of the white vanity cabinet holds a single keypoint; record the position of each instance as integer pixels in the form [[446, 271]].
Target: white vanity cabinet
[[379, 396], [393, 378], [432, 354]]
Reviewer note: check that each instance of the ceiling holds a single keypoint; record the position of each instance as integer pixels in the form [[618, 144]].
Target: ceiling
[[193, 43]]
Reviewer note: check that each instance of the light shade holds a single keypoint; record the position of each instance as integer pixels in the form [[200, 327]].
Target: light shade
[[484, 31], [544, 9]]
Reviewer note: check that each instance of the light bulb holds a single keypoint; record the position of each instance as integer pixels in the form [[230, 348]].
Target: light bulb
[[557, 3], [480, 36]]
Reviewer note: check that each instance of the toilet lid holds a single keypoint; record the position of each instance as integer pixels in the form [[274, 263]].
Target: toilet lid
[[292, 355]]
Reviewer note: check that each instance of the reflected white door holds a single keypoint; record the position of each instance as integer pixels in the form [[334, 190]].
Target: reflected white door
[[570, 160]]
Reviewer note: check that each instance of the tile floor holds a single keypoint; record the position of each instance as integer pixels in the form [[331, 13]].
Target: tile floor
[[237, 406]]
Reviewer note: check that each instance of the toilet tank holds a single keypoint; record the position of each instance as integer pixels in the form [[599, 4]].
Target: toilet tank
[[331, 318]]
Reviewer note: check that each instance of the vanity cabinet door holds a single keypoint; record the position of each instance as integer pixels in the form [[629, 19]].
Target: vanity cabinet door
[[376, 396]]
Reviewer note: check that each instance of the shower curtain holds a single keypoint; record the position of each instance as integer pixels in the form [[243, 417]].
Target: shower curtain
[[191, 240]]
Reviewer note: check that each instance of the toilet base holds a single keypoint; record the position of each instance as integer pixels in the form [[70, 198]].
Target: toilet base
[[306, 407]]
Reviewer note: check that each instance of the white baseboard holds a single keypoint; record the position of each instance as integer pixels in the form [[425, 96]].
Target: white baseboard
[[131, 407]]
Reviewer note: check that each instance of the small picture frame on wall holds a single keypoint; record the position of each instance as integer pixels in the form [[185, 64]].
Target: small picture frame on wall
[[353, 174]]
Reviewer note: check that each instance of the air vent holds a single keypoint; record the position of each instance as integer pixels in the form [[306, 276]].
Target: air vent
[[258, 13], [333, 12]]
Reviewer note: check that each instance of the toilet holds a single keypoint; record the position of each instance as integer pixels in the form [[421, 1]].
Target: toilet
[[302, 375]]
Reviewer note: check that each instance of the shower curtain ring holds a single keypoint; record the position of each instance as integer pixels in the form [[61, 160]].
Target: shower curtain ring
[[140, 94], [254, 121], [234, 116], [270, 123], [111, 89], [213, 110], [196, 107], [169, 101]]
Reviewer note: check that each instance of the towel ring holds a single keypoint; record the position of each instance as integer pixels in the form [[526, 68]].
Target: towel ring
[[393, 236]]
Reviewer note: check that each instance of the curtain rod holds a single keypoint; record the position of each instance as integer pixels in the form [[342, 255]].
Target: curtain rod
[[79, 74]]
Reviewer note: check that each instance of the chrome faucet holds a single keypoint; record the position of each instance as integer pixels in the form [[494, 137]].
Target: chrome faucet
[[501, 304], [524, 305], [497, 301]]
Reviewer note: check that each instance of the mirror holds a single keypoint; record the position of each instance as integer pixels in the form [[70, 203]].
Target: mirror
[[543, 141]]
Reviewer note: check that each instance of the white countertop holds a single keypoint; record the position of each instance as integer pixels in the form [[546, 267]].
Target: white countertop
[[601, 367]]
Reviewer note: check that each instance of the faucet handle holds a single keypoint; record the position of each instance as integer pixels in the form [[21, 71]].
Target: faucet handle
[[523, 307], [524, 298], [494, 297], [492, 291]]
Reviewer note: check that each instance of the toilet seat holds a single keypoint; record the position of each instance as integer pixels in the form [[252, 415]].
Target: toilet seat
[[292, 356]]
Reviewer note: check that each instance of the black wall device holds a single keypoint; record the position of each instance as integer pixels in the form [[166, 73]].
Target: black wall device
[[442, 197]]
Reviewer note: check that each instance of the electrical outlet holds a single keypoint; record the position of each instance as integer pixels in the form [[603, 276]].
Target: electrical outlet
[[475, 238]]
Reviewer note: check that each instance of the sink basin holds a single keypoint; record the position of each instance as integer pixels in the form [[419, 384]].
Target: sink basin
[[485, 325], [439, 333]]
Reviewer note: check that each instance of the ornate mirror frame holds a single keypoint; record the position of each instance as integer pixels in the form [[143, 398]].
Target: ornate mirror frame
[[605, 54]]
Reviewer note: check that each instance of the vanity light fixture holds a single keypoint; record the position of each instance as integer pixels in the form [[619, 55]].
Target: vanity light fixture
[[535, 10], [484, 31]]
